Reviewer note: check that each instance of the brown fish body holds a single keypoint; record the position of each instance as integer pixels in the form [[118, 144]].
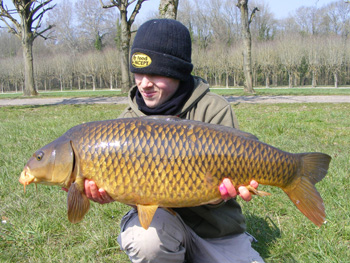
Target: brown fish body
[[173, 165], [170, 162]]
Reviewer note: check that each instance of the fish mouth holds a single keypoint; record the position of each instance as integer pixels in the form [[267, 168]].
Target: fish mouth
[[26, 178]]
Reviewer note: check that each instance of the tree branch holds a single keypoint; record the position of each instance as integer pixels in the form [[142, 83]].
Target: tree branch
[[6, 13], [113, 4], [252, 15], [41, 6], [135, 11], [43, 11], [40, 34]]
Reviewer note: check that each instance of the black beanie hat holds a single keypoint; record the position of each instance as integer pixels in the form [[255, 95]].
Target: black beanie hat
[[162, 47]]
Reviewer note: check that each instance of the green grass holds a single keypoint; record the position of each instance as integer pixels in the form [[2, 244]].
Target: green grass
[[37, 229], [280, 91], [283, 91], [66, 93]]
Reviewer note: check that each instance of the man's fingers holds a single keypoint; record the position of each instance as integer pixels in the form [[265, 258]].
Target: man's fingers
[[95, 194], [228, 191], [231, 191], [244, 193], [254, 184], [223, 190]]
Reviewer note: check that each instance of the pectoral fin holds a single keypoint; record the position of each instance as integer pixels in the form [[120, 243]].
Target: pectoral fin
[[78, 204], [146, 213]]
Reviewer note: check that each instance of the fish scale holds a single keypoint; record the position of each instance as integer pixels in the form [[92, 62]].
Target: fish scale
[[159, 163], [169, 162]]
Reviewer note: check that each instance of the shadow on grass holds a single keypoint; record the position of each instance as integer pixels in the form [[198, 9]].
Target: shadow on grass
[[266, 232]]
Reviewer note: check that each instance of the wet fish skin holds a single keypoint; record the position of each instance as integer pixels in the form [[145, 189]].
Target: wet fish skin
[[169, 162]]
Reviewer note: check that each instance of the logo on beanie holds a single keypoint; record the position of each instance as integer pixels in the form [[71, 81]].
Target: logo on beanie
[[140, 60]]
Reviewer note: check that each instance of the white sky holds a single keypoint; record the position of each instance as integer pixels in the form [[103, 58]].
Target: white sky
[[280, 8]]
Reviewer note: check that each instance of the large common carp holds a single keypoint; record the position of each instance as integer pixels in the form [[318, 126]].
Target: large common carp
[[168, 162]]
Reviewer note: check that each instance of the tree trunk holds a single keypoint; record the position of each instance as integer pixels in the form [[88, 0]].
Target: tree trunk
[[295, 79], [29, 87], [314, 84], [93, 82], [290, 79], [247, 46], [226, 79], [267, 81], [111, 81], [274, 79], [335, 80], [61, 82], [78, 83], [125, 47], [125, 37], [168, 8]]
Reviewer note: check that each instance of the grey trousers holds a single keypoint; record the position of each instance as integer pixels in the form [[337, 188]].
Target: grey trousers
[[170, 240]]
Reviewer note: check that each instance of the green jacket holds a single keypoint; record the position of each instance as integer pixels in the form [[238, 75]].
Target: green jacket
[[208, 221]]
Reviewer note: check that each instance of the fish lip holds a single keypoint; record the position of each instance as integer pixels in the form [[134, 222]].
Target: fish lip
[[26, 178]]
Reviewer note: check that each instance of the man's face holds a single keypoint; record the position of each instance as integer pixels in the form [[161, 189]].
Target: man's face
[[156, 90]]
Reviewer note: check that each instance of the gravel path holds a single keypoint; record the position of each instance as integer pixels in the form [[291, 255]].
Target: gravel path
[[123, 100]]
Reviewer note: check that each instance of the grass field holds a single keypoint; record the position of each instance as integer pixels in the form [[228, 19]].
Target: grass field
[[35, 228], [218, 89]]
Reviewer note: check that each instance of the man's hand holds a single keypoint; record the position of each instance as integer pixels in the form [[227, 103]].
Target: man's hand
[[97, 195], [228, 191]]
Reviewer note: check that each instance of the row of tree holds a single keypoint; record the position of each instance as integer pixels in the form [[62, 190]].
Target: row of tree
[[88, 47], [293, 61]]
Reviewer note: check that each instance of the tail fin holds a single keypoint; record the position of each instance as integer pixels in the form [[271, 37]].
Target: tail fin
[[302, 191]]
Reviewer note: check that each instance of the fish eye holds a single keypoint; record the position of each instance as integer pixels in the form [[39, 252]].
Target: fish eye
[[39, 156]]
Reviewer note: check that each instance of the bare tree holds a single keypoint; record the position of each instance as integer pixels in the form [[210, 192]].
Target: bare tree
[[266, 58], [94, 21], [291, 51], [335, 56], [9, 44], [264, 26], [247, 43], [110, 66], [27, 29], [65, 30], [126, 24], [338, 14], [221, 20], [308, 19], [168, 8], [203, 28], [315, 56]]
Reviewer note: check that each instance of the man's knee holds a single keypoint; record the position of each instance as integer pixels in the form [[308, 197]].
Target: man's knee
[[142, 245], [163, 241]]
